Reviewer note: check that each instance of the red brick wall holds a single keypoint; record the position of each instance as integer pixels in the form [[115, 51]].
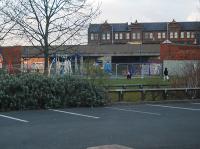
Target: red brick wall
[[12, 58], [179, 52]]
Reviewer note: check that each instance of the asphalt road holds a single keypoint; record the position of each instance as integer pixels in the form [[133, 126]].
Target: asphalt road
[[145, 126]]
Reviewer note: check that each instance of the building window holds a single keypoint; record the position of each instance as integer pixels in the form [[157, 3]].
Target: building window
[[120, 36], [192, 35], [151, 35], [92, 36], [176, 35], [134, 36], [108, 36], [103, 36], [163, 35], [182, 35], [159, 35], [127, 36], [188, 34], [146, 35], [138, 35], [171, 35], [116, 36]]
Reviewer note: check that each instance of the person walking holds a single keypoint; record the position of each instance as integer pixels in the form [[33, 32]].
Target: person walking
[[166, 77], [128, 75]]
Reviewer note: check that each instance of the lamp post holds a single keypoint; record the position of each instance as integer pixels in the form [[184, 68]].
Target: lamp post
[[116, 71], [167, 31], [167, 41], [140, 53], [112, 34], [140, 50]]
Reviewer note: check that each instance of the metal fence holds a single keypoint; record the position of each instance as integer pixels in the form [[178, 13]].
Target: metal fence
[[118, 70], [137, 69]]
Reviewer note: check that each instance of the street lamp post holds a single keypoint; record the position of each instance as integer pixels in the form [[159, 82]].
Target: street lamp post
[[140, 53], [112, 34], [167, 41], [141, 60], [116, 71], [167, 31]]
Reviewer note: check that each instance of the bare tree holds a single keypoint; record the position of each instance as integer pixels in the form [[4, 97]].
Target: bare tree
[[48, 23], [188, 77], [6, 27]]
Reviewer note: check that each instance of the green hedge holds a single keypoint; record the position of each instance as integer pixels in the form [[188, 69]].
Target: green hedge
[[35, 91]]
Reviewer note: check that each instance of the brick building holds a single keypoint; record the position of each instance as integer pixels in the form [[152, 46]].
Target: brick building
[[10, 58], [144, 33], [179, 52], [123, 43], [177, 58]]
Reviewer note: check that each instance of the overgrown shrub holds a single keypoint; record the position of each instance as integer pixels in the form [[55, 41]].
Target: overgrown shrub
[[190, 78], [35, 91]]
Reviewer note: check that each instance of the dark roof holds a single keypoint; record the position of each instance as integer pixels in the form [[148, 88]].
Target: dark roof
[[190, 25], [94, 28], [120, 27], [155, 26], [117, 27]]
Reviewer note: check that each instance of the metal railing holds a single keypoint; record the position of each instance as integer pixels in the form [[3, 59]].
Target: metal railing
[[188, 91]]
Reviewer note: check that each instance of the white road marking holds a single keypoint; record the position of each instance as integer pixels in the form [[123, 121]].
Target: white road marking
[[13, 118], [77, 114], [173, 107], [136, 111], [110, 146], [196, 103]]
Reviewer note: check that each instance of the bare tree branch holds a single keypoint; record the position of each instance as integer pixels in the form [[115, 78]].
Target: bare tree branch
[[48, 23]]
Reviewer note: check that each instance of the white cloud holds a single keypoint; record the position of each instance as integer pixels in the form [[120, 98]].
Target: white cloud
[[194, 16], [146, 10]]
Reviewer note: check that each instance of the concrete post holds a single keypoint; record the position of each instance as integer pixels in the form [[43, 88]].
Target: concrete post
[[81, 65], [76, 65]]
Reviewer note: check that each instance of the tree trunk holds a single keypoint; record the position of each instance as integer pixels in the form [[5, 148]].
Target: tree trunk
[[46, 61]]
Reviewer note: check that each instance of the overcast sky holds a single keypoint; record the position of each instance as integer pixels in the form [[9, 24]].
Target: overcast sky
[[119, 11]]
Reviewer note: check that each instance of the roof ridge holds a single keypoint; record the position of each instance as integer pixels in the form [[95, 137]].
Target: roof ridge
[[149, 22], [148, 26]]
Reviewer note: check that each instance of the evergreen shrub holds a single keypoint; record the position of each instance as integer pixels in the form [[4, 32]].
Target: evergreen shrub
[[36, 91]]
